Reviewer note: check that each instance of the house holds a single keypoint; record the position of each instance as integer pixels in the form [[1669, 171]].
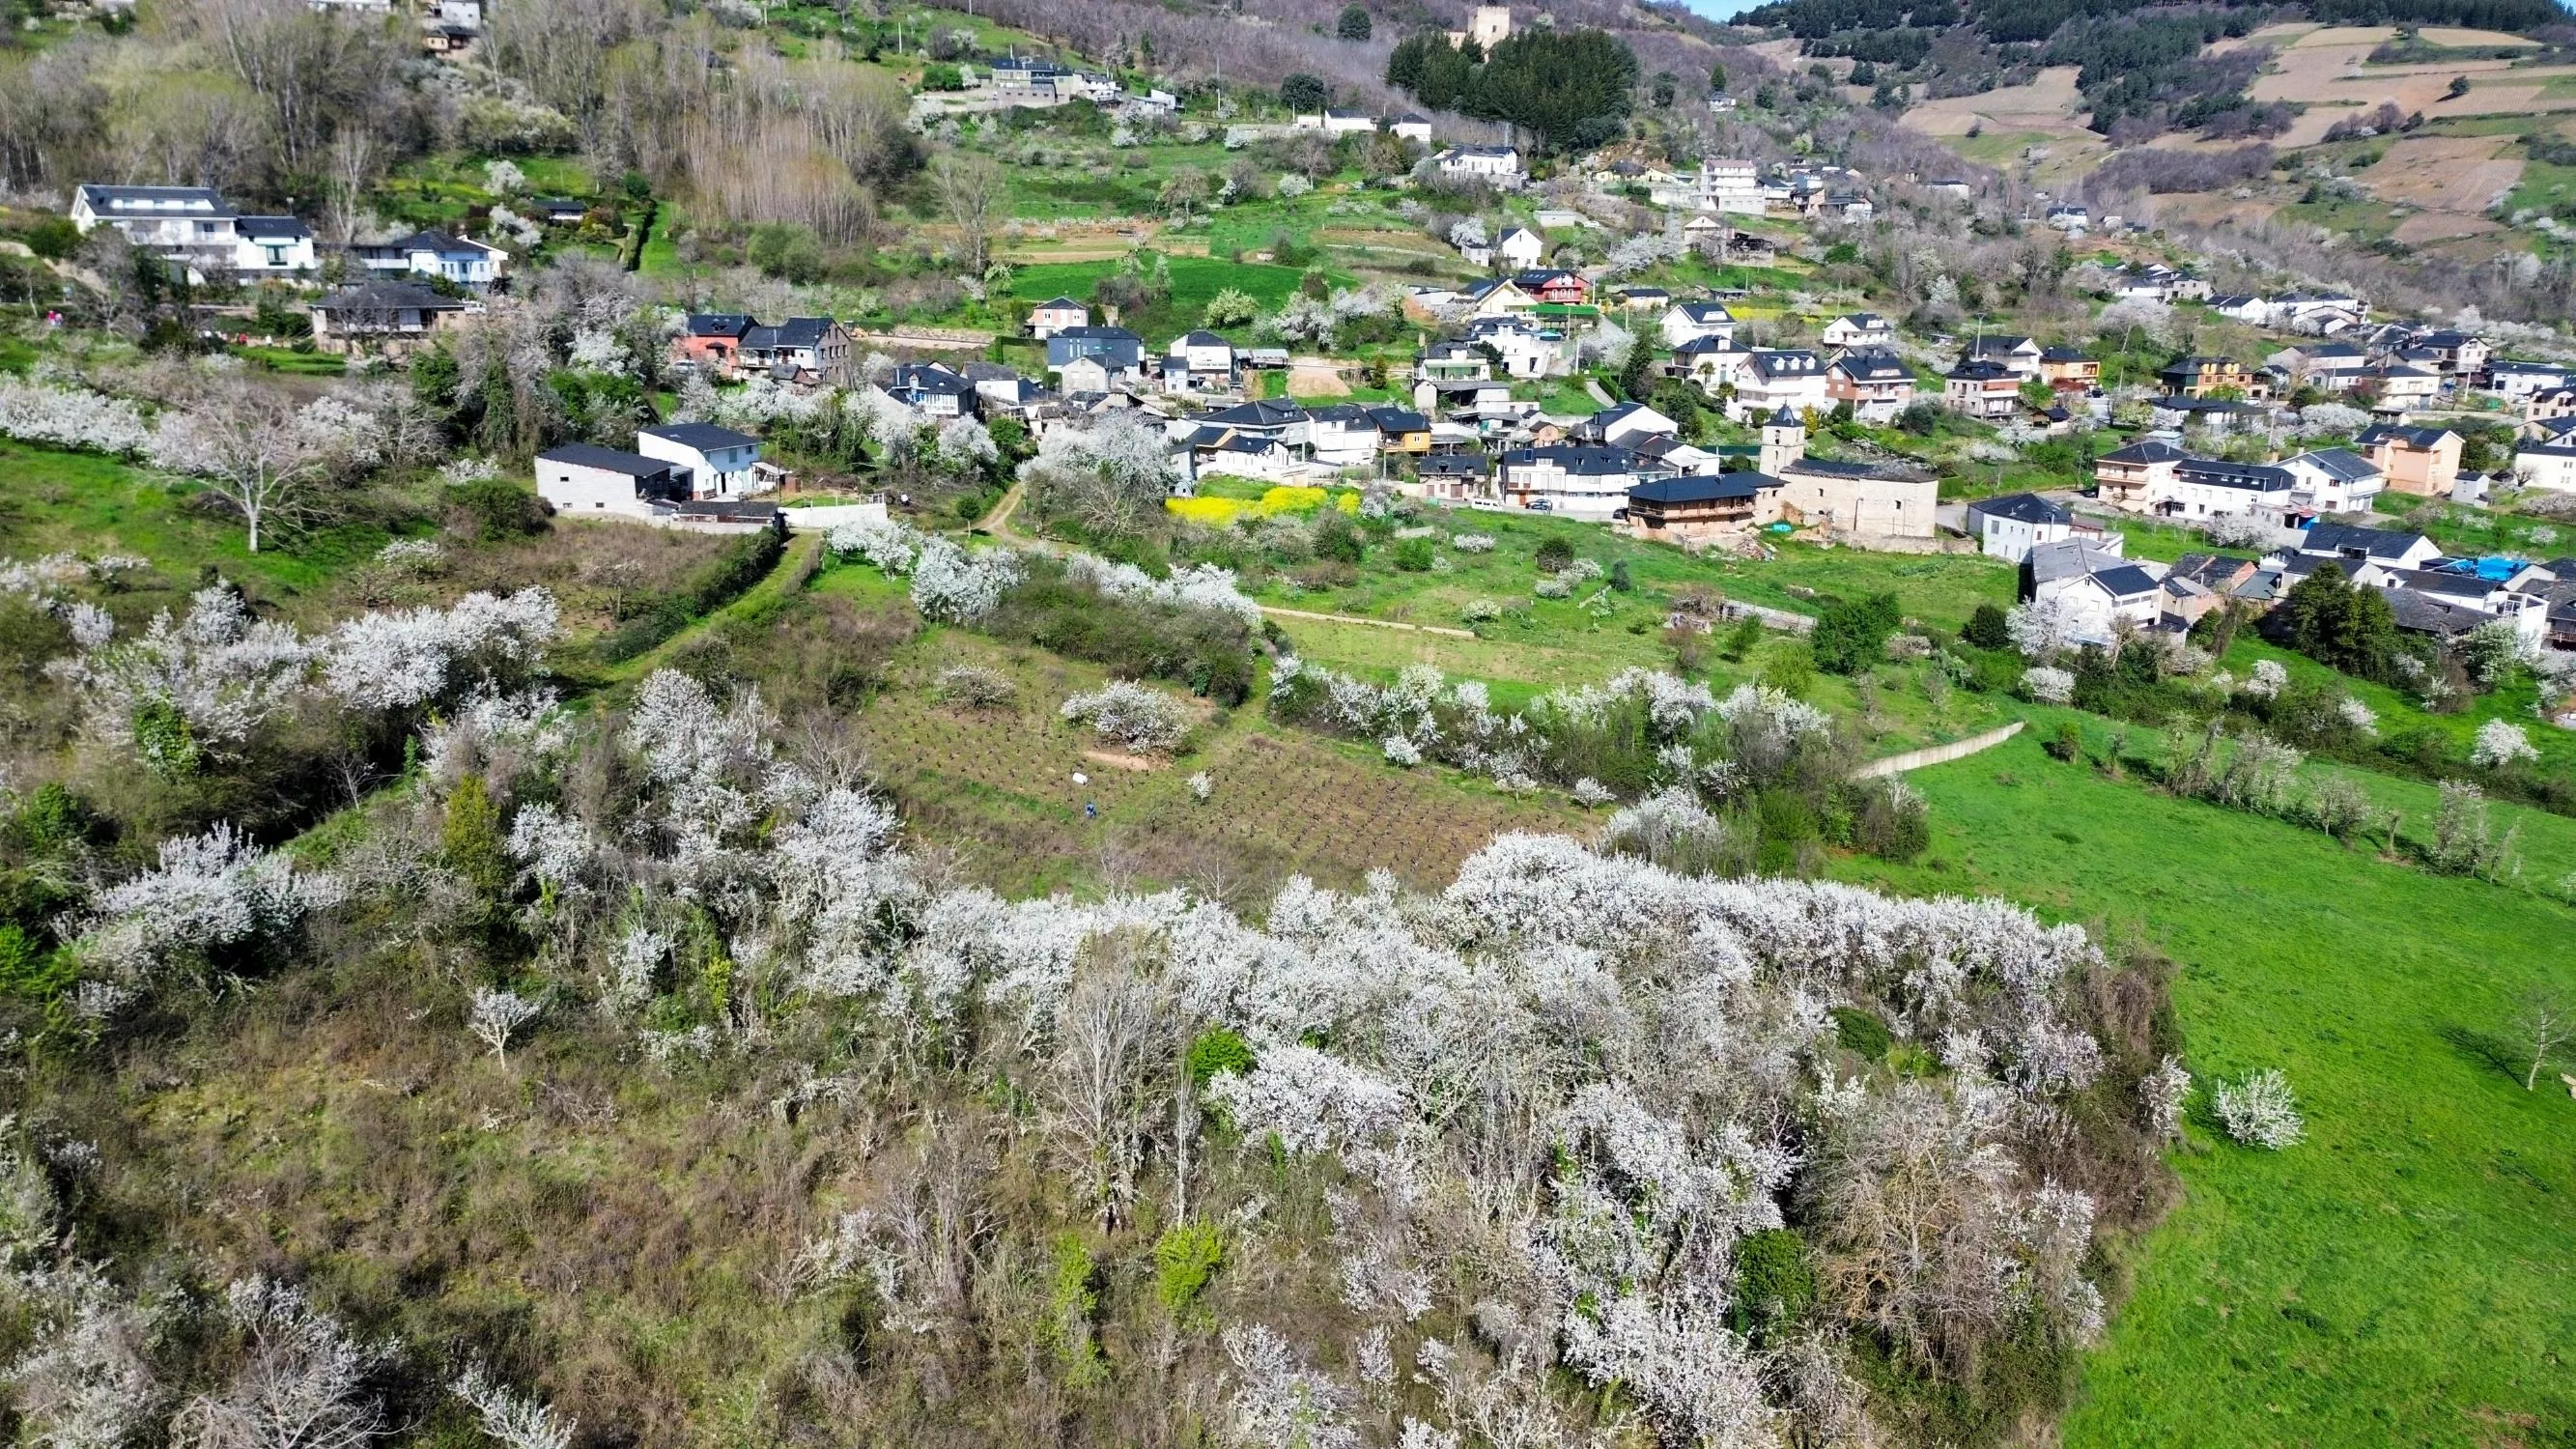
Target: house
[[811, 350], [2174, 412], [2016, 355], [383, 317], [2399, 388], [2216, 488], [2202, 376], [1981, 388], [1453, 361], [2070, 219], [1411, 127], [581, 478], [2389, 548], [1468, 398], [2009, 526], [712, 341], [2138, 477], [1554, 287], [2069, 370], [1199, 361], [1496, 298], [1118, 353], [2421, 461], [1860, 500], [558, 210], [2099, 589], [1343, 435], [2198, 583], [1525, 351], [1002, 393], [1772, 380], [2243, 307], [1495, 165], [1345, 123], [1460, 477], [1520, 247], [1050, 317], [1692, 321], [1644, 299], [2334, 480], [194, 227], [1876, 383], [933, 390], [708, 461], [2549, 466], [1695, 507], [2332, 367], [2516, 381], [461, 260], [1570, 480], [1401, 430], [1628, 424], [2453, 354], [1858, 329]]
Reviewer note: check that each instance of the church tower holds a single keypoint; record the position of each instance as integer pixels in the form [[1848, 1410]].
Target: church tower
[[1784, 441]]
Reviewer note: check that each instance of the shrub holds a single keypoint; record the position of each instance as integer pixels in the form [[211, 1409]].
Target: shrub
[[2048, 686], [1862, 1034], [974, 686], [2260, 1112], [1987, 628], [1139, 718], [1852, 636], [498, 510], [1415, 555], [1555, 556], [1892, 823]]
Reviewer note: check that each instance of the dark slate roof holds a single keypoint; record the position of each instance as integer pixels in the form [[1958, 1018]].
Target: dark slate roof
[[1399, 420], [271, 226], [2342, 463], [1997, 346], [2371, 542], [123, 200], [1462, 465], [1102, 334], [1978, 369], [720, 324], [1702, 487], [702, 436], [1260, 413], [2445, 581], [1873, 364], [1786, 364], [1582, 461], [607, 460], [1200, 337], [802, 331], [2064, 353], [929, 377], [2424, 614], [2216, 472], [2023, 508], [388, 297], [1707, 312], [2145, 450], [1837, 468], [2126, 580], [2412, 437]]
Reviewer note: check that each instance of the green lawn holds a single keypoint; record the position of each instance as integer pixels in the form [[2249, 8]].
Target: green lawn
[[74, 502], [2408, 1275]]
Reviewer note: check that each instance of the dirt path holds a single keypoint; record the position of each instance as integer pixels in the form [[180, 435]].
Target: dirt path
[[998, 524]]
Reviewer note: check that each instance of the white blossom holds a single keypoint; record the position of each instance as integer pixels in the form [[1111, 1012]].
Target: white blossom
[[1135, 716], [2259, 1111], [510, 1418], [2501, 742], [220, 670], [209, 893], [2042, 629], [2269, 679], [951, 586], [2048, 686], [496, 1016], [71, 417], [1197, 586]]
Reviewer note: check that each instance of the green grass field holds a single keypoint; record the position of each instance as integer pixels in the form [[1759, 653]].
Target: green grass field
[[2407, 1275]]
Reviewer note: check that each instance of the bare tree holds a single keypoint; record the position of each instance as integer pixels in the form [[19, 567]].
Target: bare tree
[[353, 162], [250, 444], [970, 188], [1098, 1088], [2546, 1021]]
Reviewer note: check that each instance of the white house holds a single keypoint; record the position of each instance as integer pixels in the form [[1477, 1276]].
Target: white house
[[710, 462], [2333, 480], [2010, 526], [194, 226], [1411, 127], [1690, 321], [1343, 435], [1498, 165], [1780, 379], [1570, 481], [2549, 466], [2516, 381], [1521, 247], [2099, 589], [1198, 361], [1629, 424], [1048, 318], [583, 478], [1858, 329], [436, 254]]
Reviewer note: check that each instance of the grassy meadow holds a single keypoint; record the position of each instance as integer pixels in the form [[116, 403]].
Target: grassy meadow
[[2408, 1274]]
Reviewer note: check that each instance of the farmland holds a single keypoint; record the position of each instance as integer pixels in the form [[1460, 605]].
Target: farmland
[[2402, 1276]]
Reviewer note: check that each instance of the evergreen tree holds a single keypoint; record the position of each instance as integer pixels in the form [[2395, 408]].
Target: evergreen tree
[[1354, 24]]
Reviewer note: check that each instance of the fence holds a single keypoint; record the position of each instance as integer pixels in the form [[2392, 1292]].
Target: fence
[[1936, 754]]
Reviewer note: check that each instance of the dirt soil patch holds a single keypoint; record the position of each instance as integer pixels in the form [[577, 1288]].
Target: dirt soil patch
[[2459, 174], [2432, 226], [2049, 103], [1315, 379], [1113, 760]]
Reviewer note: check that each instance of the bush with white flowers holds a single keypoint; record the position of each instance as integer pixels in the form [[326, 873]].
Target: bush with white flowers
[[2500, 743], [2048, 686], [2259, 1111], [71, 417], [210, 895], [1131, 714], [953, 586]]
